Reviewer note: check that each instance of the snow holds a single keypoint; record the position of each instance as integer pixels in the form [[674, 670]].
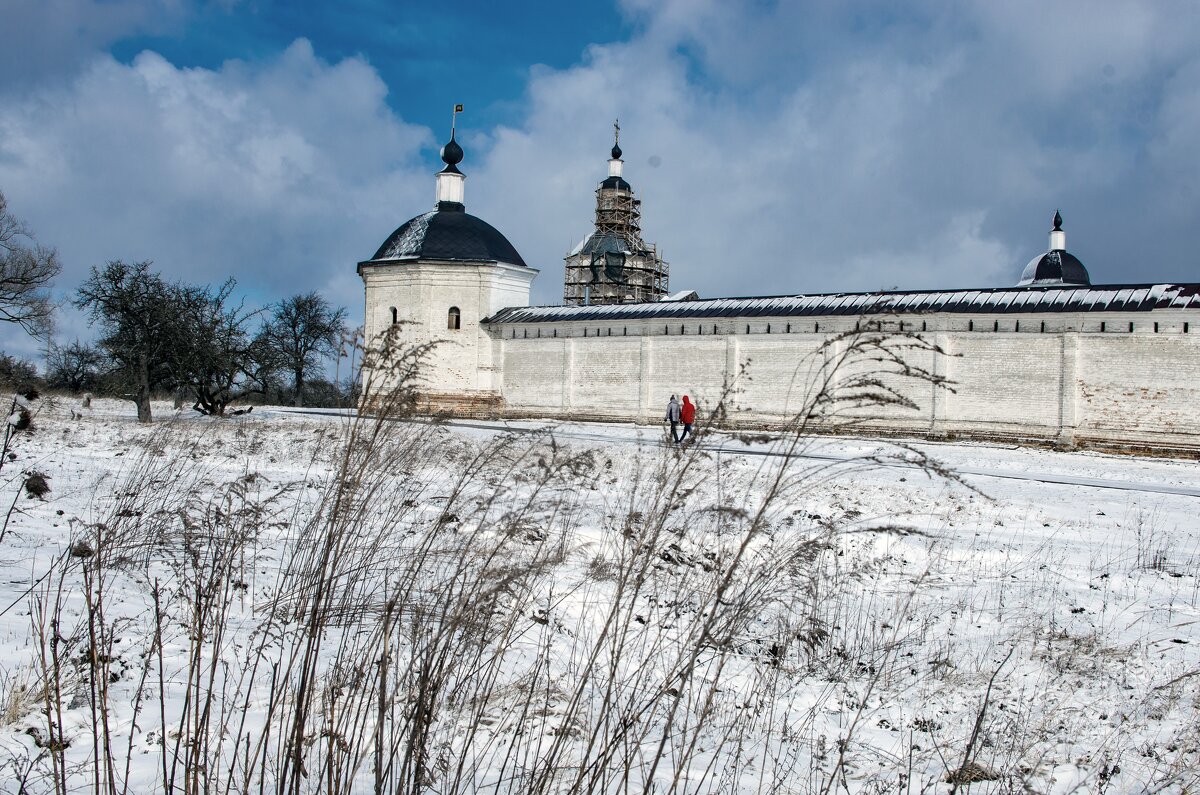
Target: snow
[[872, 608], [1097, 299]]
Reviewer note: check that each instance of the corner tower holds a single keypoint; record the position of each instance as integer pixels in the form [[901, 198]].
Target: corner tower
[[613, 265], [1057, 266], [433, 281]]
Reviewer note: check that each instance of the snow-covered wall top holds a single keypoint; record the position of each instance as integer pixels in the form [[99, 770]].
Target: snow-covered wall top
[[1113, 298]]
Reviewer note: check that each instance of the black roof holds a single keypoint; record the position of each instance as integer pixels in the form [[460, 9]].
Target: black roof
[[448, 233], [616, 183], [596, 243], [1006, 300], [1055, 267]]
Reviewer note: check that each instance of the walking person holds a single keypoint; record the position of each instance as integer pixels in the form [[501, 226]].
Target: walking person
[[688, 416], [673, 418]]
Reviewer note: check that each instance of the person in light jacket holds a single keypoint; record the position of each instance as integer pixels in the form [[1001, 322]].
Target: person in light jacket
[[687, 414], [673, 418]]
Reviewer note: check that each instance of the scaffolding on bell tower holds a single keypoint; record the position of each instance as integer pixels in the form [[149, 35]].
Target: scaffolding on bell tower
[[613, 265]]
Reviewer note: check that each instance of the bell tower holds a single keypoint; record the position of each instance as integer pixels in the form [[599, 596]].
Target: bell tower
[[613, 265]]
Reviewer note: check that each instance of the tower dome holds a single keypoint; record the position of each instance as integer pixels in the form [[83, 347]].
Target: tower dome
[[448, 233], [1056, 266]]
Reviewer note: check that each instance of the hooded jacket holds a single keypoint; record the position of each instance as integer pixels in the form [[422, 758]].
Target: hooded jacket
[[688, 412]]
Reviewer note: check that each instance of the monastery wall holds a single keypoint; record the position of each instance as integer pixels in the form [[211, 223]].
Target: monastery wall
[[1065, 379]]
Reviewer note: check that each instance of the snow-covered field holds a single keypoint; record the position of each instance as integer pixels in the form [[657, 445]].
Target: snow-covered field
[[296, 602]]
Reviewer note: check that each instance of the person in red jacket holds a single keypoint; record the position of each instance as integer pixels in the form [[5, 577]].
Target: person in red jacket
[[687, 414]]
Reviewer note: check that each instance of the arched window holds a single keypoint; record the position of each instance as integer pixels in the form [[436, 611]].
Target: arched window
[[395, 319], [454, 319]]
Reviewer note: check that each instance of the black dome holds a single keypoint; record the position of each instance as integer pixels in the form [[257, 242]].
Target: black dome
[[452, 153], [1054, 267], [449, 233], [615, 182], [616, 152]]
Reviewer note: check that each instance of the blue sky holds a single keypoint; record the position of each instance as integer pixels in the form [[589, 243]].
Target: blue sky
[[430, 55], [778, 147]]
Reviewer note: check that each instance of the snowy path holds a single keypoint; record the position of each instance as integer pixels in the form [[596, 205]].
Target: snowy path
[[849, 448]]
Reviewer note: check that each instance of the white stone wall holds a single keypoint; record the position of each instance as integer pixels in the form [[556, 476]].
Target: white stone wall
[[1057, 377], [422, 294]]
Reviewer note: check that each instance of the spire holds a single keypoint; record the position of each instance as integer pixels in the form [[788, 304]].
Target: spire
[[1058, 238], [451, 181], [614, 165]]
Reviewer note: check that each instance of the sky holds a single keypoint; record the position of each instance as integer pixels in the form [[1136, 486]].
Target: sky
[[778, 147]]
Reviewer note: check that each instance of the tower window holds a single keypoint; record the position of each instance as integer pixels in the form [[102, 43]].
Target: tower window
[[454, 319], [395, 319]]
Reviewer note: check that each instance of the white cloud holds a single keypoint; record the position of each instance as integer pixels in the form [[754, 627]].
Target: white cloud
[[281, 174], [810, 147], [779, 147]]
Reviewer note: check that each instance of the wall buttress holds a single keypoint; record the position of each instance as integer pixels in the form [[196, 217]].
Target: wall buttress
[[646, 351], [1068, 389]]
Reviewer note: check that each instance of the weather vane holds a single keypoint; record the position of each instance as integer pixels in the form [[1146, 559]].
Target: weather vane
[[454, 118]]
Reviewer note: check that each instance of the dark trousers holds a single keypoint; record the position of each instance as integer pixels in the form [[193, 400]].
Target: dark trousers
[[674, 434], [687, 428]]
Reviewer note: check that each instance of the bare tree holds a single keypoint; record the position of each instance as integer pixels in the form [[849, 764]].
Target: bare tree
[[215, 357], [141, 317], [26, 269], [74, 367], [302, 331]]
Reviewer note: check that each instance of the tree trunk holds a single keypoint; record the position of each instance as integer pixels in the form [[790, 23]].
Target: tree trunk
[[141, 393], [298, 398]]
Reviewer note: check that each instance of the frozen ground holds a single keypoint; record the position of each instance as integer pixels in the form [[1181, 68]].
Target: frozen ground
[[587, 610]]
